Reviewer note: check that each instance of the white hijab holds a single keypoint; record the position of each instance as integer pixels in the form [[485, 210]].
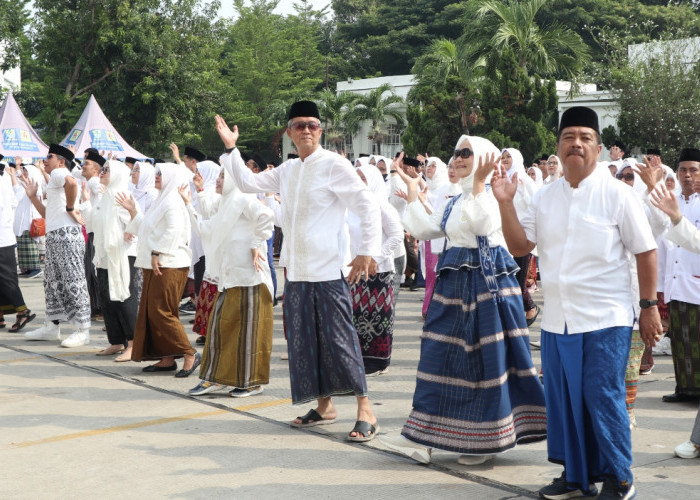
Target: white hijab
[[173, 176], [439, 177], [109, 233], [146, 185], [559, 173], [210, 172], [538, 176], [481, 148]]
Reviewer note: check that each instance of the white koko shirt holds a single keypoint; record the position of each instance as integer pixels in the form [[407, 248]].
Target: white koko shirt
[[315, 194], [581, 235]]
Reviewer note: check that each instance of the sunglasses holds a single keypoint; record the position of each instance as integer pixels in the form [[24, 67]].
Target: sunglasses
[[158, 173], [463, 153], [49, 156], [300, 126], [625, 177], [104, 170]]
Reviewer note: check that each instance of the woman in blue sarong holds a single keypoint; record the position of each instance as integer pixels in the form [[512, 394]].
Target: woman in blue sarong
[[477, 390]]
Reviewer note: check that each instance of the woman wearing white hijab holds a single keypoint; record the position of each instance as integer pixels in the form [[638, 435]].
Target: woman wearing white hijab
[[477, 390], [536, 175], [119, 282], [373, 301], [164, 256], [513, 163], [554, 169], [143, 178], [239, 333], [27, 247]]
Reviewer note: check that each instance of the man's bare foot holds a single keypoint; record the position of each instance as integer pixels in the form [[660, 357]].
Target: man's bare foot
[[125, 356]]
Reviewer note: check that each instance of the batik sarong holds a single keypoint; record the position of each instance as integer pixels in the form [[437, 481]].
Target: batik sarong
[[373, 318], [239, 339], [588, 427], [65, 287], [477, 390], [685, 346], [27, 253], [632, 374], [205, 304], [324, 353]]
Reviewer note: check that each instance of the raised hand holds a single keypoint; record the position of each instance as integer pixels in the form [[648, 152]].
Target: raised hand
[[31, 187], [650, 173], [85, 192], [198, 181], [127, 202], [185, 194], [503, 189], [176, 152], [228, 137], [666, 201]]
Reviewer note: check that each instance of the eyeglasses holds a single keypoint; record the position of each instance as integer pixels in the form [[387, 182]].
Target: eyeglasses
[[158, 173], [625, 177], [551, 163], [300, 126], [136, 169], [463, 153], [104, 170]]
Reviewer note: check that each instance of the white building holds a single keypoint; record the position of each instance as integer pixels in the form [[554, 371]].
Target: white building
[[11, 79]]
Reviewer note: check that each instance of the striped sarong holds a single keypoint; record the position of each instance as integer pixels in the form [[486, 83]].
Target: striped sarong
[[685, 346], [239, 338], [27, 253], [477, 390], [373, 318]]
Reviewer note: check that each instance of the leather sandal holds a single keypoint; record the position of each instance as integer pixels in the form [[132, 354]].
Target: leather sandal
[[22, 319], [311, 419], [365, 431]]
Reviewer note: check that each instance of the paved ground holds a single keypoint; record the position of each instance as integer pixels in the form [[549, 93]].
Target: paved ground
[[74, 425]]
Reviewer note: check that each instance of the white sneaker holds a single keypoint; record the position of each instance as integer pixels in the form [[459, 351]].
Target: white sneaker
[[48, 331], [77, 338], [244, 393], [687, 450], [662, 347], [416, 451], [474, 459]]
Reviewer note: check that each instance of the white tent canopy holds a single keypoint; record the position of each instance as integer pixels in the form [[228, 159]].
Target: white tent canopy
[[18, 136]]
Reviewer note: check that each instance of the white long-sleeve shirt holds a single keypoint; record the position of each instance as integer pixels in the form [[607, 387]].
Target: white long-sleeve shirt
[[582, 235], [315, 194]]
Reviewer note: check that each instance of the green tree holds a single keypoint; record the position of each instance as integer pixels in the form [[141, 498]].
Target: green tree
[[334, 108], [151, 65], [379, 110], [494, 26], [518, 111], [13, 19]]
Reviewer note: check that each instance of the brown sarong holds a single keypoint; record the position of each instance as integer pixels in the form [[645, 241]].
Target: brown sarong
[[158, 331]]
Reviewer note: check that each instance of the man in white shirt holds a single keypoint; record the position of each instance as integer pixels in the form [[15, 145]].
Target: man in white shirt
[[681, 286], [65, 287], [583, 224], [316, 190], [91, 172]]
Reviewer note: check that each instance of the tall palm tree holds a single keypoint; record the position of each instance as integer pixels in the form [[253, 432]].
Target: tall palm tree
[[334, 109], [378, 109], [497, 25]]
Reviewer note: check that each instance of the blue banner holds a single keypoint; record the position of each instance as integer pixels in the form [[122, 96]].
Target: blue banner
[[105, 140], [16, 139], [73, 137]]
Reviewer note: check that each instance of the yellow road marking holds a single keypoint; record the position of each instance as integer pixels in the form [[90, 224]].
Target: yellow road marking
[[266, 404], [118, 428]]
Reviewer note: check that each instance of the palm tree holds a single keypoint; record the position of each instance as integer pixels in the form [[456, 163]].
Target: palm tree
[[497, 25], [334, 109], [377, 109]]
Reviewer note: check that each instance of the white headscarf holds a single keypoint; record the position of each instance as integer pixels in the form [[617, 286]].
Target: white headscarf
[[109, 233], [538, 176], [481, 147], [560, 170], [209, 172], [440, 176], [677, 187], [25, 211], [375, 181], [146, 186], [173, 176]]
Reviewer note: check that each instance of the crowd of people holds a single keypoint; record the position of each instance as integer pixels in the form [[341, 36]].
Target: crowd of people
[[140, 242]]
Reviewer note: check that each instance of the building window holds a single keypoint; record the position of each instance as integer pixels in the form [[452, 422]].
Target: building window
[[392, 141]]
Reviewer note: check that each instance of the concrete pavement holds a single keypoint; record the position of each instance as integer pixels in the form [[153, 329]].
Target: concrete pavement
[[76, 425]]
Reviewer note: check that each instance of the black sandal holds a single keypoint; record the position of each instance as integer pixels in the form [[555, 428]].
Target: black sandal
[[365, 432], [311, 419], [22, 319]]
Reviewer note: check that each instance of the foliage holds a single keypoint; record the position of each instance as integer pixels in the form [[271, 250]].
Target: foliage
[[519, 111], [334, 108], [658, 97], [494, 26], [13, 19]]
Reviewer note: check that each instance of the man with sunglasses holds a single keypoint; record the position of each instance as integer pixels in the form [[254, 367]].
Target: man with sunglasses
[[65, 287], [316, 189], [583, 225]]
